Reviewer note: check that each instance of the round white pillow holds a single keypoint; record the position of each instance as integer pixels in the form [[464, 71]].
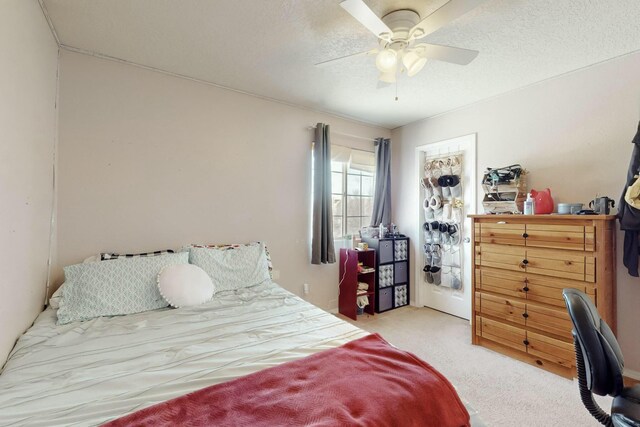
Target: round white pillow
[[183, 285]]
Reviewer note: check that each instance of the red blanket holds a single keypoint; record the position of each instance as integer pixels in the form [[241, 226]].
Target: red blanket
[[366, 382]]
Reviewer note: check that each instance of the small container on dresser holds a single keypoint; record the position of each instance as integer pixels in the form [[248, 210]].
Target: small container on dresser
[[520, 266], [392, 266]]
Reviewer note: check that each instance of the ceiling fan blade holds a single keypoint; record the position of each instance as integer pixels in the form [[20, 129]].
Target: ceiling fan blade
[[352, 55], [447, 13], [451, 54], [359, 10]]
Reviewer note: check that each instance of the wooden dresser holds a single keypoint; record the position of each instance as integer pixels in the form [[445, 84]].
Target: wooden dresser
[[521, 264]]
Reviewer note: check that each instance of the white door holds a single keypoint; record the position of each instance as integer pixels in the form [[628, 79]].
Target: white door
[[450, 290]]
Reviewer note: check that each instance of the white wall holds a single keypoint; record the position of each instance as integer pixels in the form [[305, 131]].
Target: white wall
[[573, 133], [149, 161], [28, 123]]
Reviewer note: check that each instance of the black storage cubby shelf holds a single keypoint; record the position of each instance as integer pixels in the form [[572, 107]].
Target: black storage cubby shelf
[[392, 266]]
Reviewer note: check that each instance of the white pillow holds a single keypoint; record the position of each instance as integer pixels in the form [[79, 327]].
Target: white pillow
[[54, 301], [183, 285], [93, 258]]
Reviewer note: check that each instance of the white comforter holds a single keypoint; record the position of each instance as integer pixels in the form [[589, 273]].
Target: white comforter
[[91, 372]]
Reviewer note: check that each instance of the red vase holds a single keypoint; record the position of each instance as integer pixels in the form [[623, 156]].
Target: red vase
[[543, 201]]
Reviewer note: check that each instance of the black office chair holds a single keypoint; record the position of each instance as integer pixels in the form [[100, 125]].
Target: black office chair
[[600, 364]]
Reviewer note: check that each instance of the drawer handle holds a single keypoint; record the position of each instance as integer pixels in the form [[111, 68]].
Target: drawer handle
[[525, 315], [525, 342], [525, 235], [526, 289], [525, 261], [501, 222]]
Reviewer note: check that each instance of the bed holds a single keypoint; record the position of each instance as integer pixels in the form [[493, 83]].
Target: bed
[[92, 372]]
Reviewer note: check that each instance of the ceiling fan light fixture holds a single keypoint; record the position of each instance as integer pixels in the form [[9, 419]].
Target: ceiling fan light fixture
[[387, 60], [413, 62], [389, 77]]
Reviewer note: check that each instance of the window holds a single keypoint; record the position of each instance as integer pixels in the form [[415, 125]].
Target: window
[[352, 193]]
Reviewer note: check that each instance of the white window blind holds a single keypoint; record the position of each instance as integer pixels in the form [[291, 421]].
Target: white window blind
[[352, 188]]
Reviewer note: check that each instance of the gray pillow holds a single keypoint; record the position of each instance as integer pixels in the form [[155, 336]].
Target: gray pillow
[[233, 267]]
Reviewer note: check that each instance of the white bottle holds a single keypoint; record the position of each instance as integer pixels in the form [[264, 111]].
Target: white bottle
[[529, 205]]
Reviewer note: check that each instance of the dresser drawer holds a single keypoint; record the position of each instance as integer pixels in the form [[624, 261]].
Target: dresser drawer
[[501, 256], [553, 320], [571, 237], [504, 334], [555, 236], [551, 349], [532, 287], [507, 283], [548, 290], [562, 264], [502, 233], [502, 308], [537, 345], [548, 262], [552, 236]]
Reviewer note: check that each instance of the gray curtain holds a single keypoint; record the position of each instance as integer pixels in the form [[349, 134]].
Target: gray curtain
[[382, 196], [322, 251]]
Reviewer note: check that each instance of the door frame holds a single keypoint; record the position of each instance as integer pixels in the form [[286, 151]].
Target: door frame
[[465, 143]]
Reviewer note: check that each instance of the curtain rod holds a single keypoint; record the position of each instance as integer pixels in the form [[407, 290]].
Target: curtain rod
[[347, 135]]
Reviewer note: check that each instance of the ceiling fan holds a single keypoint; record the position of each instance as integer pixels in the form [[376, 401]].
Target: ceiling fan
[[398, 33]]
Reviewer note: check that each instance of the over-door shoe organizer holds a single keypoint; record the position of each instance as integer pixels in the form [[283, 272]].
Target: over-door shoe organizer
[[443, 206]]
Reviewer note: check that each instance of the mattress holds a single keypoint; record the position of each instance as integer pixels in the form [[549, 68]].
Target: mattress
[[91, 372]]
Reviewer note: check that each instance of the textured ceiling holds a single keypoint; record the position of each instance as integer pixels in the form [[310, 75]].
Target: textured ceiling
[[269, 47]]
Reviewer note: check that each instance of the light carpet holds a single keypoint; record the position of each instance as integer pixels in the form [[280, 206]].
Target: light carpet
[[504, 391]]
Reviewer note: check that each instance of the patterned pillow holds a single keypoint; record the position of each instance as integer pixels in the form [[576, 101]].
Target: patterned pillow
[[235, 245], [105, 256], [122, 286], [232, 267]]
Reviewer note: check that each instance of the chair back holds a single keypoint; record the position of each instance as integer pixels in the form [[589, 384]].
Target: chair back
[[602, 355]]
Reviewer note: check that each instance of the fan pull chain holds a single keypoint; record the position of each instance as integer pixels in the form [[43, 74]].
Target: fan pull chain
[[396, 89]]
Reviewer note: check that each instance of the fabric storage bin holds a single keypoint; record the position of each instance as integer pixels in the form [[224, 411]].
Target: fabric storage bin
[[400, 250], [400, 275], [385, 275], [385, 251], [385, 299], [401, 295]]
